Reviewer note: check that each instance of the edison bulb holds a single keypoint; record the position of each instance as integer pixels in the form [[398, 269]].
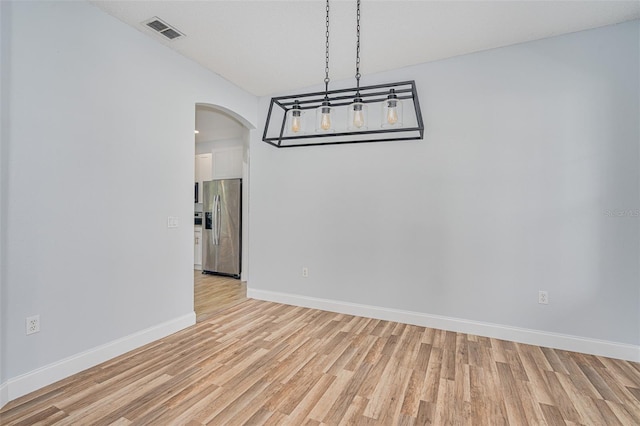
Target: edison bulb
[[392, 114], [325, 122], [296, 124], [358, 118], [323, 118], [392, 110]]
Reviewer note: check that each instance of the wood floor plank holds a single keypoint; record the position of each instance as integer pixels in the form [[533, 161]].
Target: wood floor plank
[[539, 386], [444, 412], [49, 415], [99, 409], [635, 392], [561, 399], [385, 402], [532, 409], [623, 372], [606, 412], [411, 400], [154, 398], [515, 410], [241, 402], [362, 346], [622, 392], [263, 363], [432, 377], [479, 405], [328, 399], [552, 415], [425, 414], [295, 387], [346, 397], [302, 410], [213, 293], [354, 411], [624, 414]]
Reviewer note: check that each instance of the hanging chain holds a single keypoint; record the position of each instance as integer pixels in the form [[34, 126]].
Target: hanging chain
[[358, 49], [326, 67]]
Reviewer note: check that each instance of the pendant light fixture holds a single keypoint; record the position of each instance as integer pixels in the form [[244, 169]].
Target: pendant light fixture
[[357, 119], [323, 112], [343, 116]]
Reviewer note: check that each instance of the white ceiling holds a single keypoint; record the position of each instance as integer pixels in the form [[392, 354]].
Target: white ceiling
[[270, 47]]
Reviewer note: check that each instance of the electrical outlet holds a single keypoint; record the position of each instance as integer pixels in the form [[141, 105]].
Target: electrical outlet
[[305, 271], [33, 324], [543, 297], [172, 222]]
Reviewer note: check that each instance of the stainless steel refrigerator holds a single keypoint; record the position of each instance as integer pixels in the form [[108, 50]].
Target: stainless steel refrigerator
[[221, 236]]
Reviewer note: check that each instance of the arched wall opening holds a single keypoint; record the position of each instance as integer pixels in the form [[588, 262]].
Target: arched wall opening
[[222, 137]]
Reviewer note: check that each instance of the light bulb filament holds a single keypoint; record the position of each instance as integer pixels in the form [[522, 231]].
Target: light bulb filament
[[296, 125], [325, 124], [392, 115], [358, 119], [325, 120]]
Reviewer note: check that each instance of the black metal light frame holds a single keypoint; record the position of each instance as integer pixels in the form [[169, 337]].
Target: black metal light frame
[[374, 96]]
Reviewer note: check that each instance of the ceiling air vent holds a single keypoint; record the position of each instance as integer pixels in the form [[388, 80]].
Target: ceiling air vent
[[163, 28]]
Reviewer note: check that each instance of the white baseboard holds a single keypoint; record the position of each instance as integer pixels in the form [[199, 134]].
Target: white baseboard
[[4, 394], [497, 331], [36, 379]]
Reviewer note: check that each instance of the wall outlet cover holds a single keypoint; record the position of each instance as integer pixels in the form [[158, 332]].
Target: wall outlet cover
[[33, 324], [543, 297]]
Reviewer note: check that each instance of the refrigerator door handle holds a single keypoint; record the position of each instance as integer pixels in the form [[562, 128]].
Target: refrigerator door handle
[[214, 220], [217, 220], [219, 224]]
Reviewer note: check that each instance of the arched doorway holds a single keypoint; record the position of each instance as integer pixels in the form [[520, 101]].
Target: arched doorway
[[222, 153]]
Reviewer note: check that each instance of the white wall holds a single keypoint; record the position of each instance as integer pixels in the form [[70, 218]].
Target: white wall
[[209, 146], [527, 149], [101, 153], [4, 128]]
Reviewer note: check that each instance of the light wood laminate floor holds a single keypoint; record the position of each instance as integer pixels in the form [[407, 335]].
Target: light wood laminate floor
[[213, 293], [266, 363]]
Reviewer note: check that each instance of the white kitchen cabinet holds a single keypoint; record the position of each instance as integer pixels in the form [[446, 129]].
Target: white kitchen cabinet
[[204, 171], [197, 248], [227, 163]]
